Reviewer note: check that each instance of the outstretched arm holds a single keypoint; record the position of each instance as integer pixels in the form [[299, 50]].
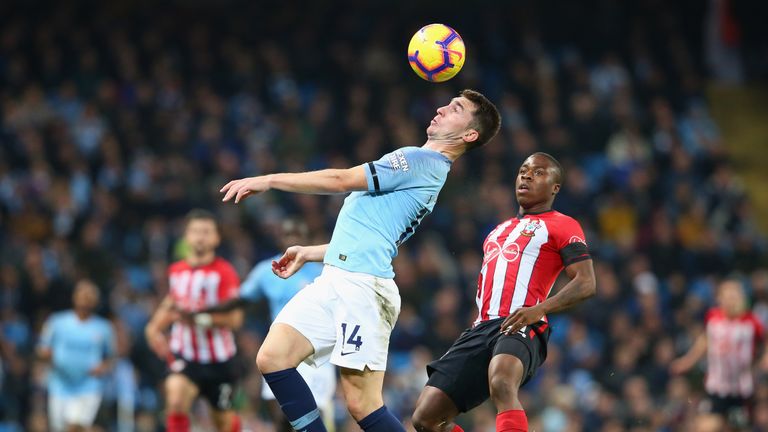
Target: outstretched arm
[[579, 288], [328, 181], [295, 257], [229, 305], [228, 314]]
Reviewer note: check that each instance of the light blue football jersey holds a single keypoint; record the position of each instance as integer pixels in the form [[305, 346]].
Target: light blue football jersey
[[262, 283], [77, 347], [402, 189]]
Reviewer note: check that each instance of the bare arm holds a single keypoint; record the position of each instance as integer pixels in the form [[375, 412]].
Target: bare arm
[[328, 181], [227, 306], [295, 257], [579, 288], [231, 319], [164, 316], [689, 359]]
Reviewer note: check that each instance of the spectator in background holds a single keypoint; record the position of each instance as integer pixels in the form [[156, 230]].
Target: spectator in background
[[730, 341], [79, 347]]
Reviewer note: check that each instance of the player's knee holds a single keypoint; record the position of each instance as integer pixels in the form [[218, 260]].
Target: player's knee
[[175, 406], [423, 422], [359, 406], [503, 388], [268, 360]]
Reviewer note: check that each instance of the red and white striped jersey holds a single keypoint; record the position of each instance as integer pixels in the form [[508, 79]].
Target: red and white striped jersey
[[522, 258], [731, 349], [196, 288]]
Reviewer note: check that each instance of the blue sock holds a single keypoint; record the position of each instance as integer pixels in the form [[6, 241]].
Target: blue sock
[[296, 400], [381, 420]]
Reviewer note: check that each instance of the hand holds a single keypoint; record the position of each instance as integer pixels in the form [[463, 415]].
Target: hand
[[159, 345], [243, 188], [181, 315], [100, 369], [520, 318], [291, 261]]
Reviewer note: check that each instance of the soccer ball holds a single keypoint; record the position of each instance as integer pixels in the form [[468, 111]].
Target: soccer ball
[[436, 52]]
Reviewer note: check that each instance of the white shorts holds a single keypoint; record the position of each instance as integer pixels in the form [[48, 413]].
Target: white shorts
[[348, 317], [72, 410], [322, 382]]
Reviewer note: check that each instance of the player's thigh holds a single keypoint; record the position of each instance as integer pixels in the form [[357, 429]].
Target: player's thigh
[[284, 347], [517, 357], [180, 392], [462, 372], [505, 374], [82, 410], [364, 315], [362, 391], [56, 411], [303, 330], [433, 408]]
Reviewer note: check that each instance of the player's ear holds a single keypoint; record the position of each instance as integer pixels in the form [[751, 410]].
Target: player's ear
[[556, 189], [471, 135]]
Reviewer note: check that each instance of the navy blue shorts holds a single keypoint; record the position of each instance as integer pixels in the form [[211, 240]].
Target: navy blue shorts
[[462, 373]]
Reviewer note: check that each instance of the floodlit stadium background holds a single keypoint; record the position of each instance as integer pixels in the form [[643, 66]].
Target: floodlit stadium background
[[117, 117]]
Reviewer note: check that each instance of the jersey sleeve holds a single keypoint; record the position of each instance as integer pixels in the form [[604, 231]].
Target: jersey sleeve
[[400, 169], [229, 287], [571, 243], [711, 313], [252, 288]]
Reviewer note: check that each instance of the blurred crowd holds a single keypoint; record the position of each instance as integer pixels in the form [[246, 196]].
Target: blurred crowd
[[116, 118]]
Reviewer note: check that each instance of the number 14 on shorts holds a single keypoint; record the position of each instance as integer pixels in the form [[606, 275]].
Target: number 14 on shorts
[[354, 339]]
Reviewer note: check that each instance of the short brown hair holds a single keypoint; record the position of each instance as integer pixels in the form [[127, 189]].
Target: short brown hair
[[200, 214], [487, 119]]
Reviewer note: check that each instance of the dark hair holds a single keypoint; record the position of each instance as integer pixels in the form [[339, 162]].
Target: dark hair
[[200, 214], [487, 119], [558, 167]]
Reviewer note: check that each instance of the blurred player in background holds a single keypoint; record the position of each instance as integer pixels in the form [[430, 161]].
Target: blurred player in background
[[730, 341], [523, 257], [348, 313], [80, 347], [262, 283], [200, 354]]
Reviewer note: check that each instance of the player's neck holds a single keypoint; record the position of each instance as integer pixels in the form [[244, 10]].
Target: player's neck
[[195, 260], [448, 148], [82, 315], [536, 209]]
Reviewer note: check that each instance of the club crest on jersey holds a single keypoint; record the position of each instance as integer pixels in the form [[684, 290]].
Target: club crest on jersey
[[530, 228]]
